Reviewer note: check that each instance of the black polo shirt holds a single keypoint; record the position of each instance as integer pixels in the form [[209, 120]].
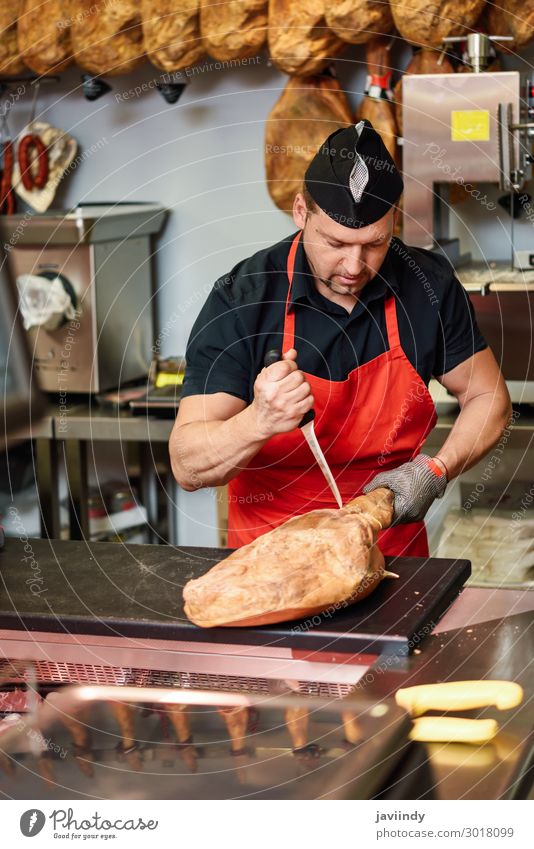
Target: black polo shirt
[[243, 318]]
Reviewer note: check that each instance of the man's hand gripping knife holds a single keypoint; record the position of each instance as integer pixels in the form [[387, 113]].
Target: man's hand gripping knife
[[416, 484]]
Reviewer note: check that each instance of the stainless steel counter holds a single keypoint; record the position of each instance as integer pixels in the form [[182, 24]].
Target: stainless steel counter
[[485, 634], [495, 276]]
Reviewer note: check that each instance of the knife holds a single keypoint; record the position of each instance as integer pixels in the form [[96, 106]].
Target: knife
[[307, 427], [460, 695], [453, 729]]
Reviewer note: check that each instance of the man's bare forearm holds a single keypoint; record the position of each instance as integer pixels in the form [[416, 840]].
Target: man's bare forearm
[[210, 453], [477, 430]]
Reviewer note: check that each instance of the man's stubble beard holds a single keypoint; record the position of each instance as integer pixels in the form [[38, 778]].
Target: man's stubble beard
[[342, 289], [330, 283], [339, 289]]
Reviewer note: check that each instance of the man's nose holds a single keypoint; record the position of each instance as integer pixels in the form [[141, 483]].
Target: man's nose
[[353, 263]]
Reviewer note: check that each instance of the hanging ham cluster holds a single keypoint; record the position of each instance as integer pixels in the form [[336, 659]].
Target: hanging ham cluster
[[102, 38], [303, 38]]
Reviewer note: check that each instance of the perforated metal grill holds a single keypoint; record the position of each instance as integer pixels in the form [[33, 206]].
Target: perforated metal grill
[[324, 689], [47, 672]]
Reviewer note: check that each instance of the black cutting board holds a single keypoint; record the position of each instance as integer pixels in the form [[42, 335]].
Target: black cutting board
[[136, 591]]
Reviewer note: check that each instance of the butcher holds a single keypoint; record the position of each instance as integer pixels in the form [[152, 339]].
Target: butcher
[[363, 322]]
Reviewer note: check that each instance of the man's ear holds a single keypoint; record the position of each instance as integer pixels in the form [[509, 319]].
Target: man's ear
[[300, 210]]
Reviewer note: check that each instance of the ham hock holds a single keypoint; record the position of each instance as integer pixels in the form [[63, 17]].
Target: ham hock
[[310, 563]]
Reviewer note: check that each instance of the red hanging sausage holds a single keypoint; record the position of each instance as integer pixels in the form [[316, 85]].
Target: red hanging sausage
[[7, 198], [5, 182], [29, 180], [10, 203]]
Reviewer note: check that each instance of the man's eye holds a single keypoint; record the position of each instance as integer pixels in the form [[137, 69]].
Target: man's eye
[[333, 245]]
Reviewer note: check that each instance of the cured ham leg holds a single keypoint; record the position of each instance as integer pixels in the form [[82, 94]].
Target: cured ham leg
[[427, 24], [44, 35], [356, 21], [322, 559], [300, 42], [297, 725], [351, 728], [179, 716], [233, 29], [236, 720], [171, 33], [308, 110], [11, 62], [377, 106], [107, 38]]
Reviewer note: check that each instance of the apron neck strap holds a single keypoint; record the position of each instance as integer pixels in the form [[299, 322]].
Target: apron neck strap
[[392, 325], [289, 317]]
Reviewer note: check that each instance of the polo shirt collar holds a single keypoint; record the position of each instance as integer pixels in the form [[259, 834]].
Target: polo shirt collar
[[303, 287]]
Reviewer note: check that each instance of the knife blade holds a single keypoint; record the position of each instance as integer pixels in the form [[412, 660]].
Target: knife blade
[[308, 431]]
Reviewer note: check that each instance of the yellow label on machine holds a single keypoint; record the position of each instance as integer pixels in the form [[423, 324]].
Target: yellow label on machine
[[470, 125], [168, 379]]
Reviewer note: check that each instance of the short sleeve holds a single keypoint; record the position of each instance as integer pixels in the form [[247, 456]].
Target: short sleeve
[[459, 337], [217, 354]]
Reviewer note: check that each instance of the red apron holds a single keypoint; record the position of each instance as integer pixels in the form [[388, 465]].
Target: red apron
[[374, 420]]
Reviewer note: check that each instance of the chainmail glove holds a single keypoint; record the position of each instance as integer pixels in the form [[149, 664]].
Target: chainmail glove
[[416, 484]]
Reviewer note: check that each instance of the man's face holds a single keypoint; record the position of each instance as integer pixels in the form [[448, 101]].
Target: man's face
[[342, 258]]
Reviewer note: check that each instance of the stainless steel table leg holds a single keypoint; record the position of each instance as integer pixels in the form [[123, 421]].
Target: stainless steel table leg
[[148, 487], [47, 479], [77, 486], [172, 509]]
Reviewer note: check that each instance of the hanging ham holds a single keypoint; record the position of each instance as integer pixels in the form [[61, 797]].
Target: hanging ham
[[377, 106], [300, 42], [494, 21], [171, 33], [107, 38], [297, 722], [309, 564], [44, 35], [11, 62], [519, 18], [357, 21], [428, 23], [236, 720], [307, 112], [233, 30]]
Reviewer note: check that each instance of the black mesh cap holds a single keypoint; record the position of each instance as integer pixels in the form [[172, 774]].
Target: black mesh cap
[[353, 178]]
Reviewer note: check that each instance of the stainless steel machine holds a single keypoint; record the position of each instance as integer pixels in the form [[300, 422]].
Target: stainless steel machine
[[471, 130], [85, 288], [462, 129]]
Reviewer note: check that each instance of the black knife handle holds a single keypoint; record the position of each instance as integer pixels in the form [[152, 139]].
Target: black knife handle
[[307, 417], [272, 356]]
